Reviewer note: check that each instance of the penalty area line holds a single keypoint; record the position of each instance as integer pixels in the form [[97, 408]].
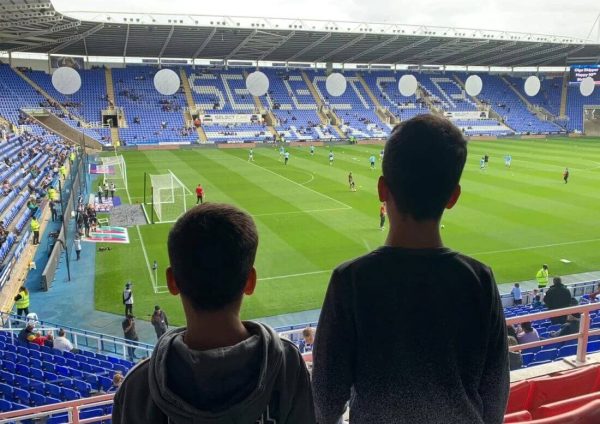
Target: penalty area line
[[299, 212], [154, 283]]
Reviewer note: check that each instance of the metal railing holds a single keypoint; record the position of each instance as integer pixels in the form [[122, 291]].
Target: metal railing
[[72, 408], [82, 339]]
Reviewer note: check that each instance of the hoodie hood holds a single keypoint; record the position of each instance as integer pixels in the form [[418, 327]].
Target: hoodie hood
[[248, 369]]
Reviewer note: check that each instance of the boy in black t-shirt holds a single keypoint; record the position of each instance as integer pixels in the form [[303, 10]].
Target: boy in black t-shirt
[[397, 360]]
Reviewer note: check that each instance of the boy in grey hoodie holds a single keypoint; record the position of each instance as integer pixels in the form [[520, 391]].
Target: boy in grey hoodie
[[218, 369]]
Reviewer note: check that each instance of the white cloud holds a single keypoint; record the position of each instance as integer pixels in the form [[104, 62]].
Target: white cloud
[[554, 17]]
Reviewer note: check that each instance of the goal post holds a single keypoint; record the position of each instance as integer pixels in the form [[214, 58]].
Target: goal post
[[118, 173], [168, 197]]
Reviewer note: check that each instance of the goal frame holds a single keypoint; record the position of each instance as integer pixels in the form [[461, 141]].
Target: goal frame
[[150, 199]]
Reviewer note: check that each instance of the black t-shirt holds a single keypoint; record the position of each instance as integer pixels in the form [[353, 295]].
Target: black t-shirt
[[131, 334], [416, 336]]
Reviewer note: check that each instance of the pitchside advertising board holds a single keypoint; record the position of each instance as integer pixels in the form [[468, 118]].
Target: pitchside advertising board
[[581, 72]]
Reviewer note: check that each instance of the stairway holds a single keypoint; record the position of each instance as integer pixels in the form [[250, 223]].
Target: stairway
[[110, 92], [384, 114], [422, 94], [462, 84], [329, 118], [268, 115], [563, 96], [56, 125], [187, 116]]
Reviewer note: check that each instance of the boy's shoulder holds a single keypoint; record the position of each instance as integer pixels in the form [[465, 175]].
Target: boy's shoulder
[[373, 260]]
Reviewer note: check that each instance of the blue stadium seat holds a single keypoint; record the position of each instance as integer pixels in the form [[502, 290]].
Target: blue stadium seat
[[527, 358], [105, 382], [21, 395], [7, 377], [21, 381], [34, 346], [75, 373], [52, 400], [21, 359], [35, 363], [36, 399], [9, 356], [82, 387], [35, 354], [5, 405], [593, 346], [62, 371], [9, 366], [22, 369], [69, 394], [49, 367], [58, 419], [567, 350], [71, 363], [69, 355], [36, 373], [11, 348], [92, 379], [50, 376], [53, 390], [91, 413], [6, 391], [59, 360], [22, 350], [546, 355]]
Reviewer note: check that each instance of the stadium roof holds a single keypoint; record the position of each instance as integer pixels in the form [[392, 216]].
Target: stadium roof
[[35, 26]]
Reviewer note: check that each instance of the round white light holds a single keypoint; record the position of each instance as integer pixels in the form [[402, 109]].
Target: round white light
[[408, 85], [532, 86], [473, 85], [167, 82], [257, 83], [336, 84], [586, 88], [66, 80]]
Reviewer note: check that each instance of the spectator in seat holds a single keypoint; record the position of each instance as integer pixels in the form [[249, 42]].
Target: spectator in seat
[[308, 339], [49, 340], [25, 333], [514, 358], [219, 369], [451, 366], [557, 297], [38, 339], [62, 343], [116, 382], [527, 334], [571, 326]]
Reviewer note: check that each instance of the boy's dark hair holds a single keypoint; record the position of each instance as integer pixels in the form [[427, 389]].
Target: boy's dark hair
[[212, 248], [424, 159]]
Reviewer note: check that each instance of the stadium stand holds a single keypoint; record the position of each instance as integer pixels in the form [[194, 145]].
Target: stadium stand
[[34, 375], [575, 103]]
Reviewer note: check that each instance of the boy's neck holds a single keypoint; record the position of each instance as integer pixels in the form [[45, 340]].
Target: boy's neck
[[212, 330], [408, 233]]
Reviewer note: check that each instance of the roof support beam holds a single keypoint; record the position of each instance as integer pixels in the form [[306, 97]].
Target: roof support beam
[[242, 44], [166, 43], [75, 38], [426, 53], [516, 52], [24, 23], [126, 41], [565, 55], [476, 55], [309, 47], [533, 57], [205, 43], [396, 53], [276, 46], [52, 30], [475, 45], [342, 47], [372, 49], [24, 7]]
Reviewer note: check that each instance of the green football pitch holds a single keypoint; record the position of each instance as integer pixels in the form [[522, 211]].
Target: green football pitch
[[513, 219]]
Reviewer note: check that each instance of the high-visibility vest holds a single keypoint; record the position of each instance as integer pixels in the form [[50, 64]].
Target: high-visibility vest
[[35, 225], [63, 170], [23, 302], [542, 277]]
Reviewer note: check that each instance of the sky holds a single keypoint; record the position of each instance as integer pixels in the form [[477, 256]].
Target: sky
[[538, 16]]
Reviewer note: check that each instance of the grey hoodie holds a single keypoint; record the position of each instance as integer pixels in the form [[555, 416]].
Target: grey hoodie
[[263, 379]]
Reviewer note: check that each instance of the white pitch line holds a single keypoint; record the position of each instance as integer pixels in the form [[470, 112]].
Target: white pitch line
[[297, 183], [299, 212], [154, 283], [491, 252], [280, 277]]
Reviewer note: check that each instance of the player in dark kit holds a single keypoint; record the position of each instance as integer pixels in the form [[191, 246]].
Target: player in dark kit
[[566, 175], [486, 159], [351, 182], [382, 214]]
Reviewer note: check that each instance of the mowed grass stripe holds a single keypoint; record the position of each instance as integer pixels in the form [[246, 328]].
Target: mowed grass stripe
[[513, 219]]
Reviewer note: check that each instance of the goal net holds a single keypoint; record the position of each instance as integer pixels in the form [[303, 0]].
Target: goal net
[[591, 120], [169, 197], [118, 171]]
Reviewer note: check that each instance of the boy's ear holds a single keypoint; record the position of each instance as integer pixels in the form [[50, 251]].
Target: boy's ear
[[171, 284], [250, 282], [382, 189], [454, 197]]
